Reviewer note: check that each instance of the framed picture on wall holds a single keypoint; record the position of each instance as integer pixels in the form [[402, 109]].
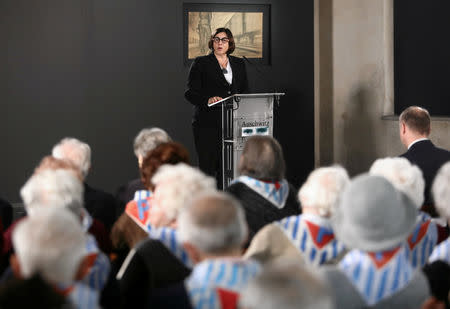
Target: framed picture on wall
[[249, 23]]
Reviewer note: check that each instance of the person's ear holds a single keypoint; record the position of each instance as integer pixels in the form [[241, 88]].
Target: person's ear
[[194, 253], [15, 266], [85, 265]]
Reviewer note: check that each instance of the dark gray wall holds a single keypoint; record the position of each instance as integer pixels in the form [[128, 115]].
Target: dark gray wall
[[100, 70]]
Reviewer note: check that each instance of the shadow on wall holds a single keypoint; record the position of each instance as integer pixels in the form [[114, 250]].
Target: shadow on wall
[[359, 130]]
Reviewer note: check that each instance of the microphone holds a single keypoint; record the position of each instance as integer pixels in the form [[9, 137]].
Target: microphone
[[264, 76]]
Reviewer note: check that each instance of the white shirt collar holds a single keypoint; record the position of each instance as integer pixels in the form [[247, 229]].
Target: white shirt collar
[[417, 140]]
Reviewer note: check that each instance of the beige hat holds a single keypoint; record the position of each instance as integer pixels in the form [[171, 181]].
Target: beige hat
[[271, 244]]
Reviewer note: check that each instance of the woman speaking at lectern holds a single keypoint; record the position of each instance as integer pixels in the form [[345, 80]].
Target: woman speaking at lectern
[[211, 78]]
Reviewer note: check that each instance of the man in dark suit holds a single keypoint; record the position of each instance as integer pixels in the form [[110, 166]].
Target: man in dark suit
[[415, 128], [99, 204]]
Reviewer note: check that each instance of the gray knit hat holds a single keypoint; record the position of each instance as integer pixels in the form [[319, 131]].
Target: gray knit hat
[[372, 215]]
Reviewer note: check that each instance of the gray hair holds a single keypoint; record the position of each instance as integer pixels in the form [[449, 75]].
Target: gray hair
[[51, 243], [75, 151], [286, 285], [176, 185], [262, 158], [441, 191], [406, 177], [214, 223], [148, 139], [53, 189], [323, 188]]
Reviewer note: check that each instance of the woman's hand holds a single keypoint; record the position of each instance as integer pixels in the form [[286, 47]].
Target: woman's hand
[[212, 100]]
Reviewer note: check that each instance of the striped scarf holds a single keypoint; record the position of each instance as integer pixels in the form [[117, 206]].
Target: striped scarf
[[216, 283], [169, 237], [378, 275], [421, 242], [139, 211], [99, 266], [142, 195], [275, 192], [441, 252], [313, 236]]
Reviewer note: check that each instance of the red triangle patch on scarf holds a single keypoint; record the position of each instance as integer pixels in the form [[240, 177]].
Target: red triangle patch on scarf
[[417, 236], [320, 235], [228, 299], [382, 258]]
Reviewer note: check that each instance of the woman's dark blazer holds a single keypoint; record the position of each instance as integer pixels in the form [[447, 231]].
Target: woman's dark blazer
[[207, 80]]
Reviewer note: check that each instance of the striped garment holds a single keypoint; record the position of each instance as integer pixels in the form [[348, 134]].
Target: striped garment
[[441, 252], [275, 192], [421, 242], [84, 297], [169, 237], [142, 195], [139, 211], [99, 263], [313, 236], [99, 266], [378, 275], [214, 283]]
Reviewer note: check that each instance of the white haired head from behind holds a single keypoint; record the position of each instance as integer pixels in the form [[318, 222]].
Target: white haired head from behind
[[75, 151]]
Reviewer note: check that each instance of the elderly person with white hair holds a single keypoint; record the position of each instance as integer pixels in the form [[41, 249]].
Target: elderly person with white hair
[[374, 219], [286, 284], [408, 179], [441, 194], [62, 189], [161, 260], [51, 243], [213, 231], [145, 141], [261, 187], [100, 205], [311, 232]]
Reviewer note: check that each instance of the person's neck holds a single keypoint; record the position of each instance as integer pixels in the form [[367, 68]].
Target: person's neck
[[415, 138], [222, 57]]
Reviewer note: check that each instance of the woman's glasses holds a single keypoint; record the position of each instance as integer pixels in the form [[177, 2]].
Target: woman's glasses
[[217, 40]]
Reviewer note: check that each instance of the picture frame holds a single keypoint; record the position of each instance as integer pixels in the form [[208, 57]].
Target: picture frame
[[249, 23]]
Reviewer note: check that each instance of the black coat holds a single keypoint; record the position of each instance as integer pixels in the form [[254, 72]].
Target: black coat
[[429, 159], [258, 210], [206, 80]]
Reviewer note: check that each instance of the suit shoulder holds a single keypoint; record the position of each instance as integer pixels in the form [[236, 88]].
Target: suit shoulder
[[237, 59]]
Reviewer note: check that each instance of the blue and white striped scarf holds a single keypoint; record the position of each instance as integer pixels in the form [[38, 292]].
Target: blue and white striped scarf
[[211, 277], [378, 275], [275, 192], [422, 241], [441, 252], [313, 236], [169, 237], [84, 297], [142, 195]]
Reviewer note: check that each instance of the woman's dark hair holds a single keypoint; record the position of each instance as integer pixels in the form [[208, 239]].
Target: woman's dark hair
[[165, 153], [231, 45]]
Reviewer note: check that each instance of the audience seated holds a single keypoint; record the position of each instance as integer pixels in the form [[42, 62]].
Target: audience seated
[[100, 205], [311, 232], [61, 189], [261, 187], [408, 179], [51, 243], [374, 220], [213, 231], [286, 285], [131, 227], [146, 140], [441, 194], [161, 260], [415, 129]]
